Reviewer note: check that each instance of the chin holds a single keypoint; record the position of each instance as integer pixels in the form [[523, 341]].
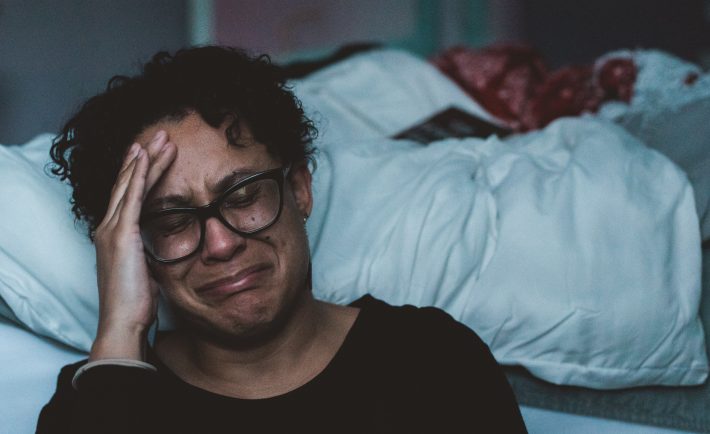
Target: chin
[[245, 321]]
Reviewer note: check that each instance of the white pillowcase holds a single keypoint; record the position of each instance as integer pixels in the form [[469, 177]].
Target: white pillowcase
[[378, 94], [596, 278], [573, 252], [634, 276], [47, 263]]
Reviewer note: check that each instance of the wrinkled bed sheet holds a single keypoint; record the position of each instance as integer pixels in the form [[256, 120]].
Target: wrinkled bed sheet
[[659, 98], [600, 231], [573, 251]]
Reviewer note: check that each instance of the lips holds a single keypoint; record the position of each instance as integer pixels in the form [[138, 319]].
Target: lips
[[241, 281]]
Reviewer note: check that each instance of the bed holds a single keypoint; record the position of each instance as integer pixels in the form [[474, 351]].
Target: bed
[[454, 216]]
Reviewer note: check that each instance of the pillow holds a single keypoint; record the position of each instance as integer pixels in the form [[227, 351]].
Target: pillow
[[573, 251], [669, 112], [603, 238], [378, 94], [47, 263]]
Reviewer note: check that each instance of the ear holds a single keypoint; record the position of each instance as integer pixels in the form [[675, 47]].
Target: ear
[[299, 178]]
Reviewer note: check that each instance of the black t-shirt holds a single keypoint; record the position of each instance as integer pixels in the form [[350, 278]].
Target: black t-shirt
[[399, 370]]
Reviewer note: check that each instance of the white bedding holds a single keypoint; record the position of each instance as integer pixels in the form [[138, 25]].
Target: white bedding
[[378, 94], [29, 366], [600, 231]]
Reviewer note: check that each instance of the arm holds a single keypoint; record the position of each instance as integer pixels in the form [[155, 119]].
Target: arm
[[128, 296], [110, 399], [116, 398]]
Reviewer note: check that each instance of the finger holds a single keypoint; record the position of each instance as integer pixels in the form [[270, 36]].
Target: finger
[[120, 186], [130, 155], [123, 174], [159, 164], [156, 144], [130, 205], [119, 195]]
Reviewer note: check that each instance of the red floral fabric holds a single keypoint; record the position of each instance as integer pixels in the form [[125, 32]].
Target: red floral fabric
[[514, 84]]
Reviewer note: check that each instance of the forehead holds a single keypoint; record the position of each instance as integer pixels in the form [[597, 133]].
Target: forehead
[[204, 157]]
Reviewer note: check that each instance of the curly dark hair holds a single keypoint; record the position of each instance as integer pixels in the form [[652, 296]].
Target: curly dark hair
[[221, 84]]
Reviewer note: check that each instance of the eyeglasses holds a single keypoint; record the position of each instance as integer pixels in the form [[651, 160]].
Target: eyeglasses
[[249, 206]]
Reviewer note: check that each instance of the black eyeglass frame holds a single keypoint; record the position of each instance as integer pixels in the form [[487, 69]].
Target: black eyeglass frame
[[212, 209]]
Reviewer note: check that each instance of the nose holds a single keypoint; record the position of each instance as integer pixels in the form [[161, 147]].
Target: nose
[[220, 242]]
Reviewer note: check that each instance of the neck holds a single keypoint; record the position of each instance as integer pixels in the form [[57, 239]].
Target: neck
[[216, 358], [299, 351]]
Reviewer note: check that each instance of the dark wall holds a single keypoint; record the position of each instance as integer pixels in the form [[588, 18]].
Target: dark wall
[[568, 31], [54, 54]]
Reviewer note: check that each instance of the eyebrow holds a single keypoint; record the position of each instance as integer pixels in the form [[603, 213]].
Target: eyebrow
[[180, 200], [223, 184]]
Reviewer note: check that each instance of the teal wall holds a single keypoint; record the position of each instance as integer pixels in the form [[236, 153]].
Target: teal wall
[[470, 26], [437, 24], [55, 54]]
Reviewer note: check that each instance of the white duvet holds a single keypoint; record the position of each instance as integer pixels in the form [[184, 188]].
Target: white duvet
[[574, 252]]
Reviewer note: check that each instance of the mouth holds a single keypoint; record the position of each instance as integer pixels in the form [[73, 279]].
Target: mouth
[[243, 280]]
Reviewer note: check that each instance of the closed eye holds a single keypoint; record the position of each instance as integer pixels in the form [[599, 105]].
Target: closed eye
[[172, 224], [242, 197]]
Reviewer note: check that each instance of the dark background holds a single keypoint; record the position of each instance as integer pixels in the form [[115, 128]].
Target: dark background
[[55, 54]]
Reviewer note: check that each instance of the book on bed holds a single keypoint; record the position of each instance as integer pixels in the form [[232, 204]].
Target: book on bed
[[451, 122]]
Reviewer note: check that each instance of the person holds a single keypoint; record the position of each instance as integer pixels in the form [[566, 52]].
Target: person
[[194, 179]]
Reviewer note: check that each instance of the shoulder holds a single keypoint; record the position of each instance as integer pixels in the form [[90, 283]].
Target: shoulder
[[429, 320], [440, 368], [425, 330]]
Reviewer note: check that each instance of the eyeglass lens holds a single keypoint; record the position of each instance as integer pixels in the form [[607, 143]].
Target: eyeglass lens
[[247, 209]]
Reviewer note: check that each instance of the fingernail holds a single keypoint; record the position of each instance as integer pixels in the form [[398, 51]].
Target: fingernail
[[132, 151]]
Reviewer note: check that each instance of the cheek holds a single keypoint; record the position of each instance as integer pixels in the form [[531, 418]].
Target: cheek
[[170, 277], [289, 243], [295, 243]]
